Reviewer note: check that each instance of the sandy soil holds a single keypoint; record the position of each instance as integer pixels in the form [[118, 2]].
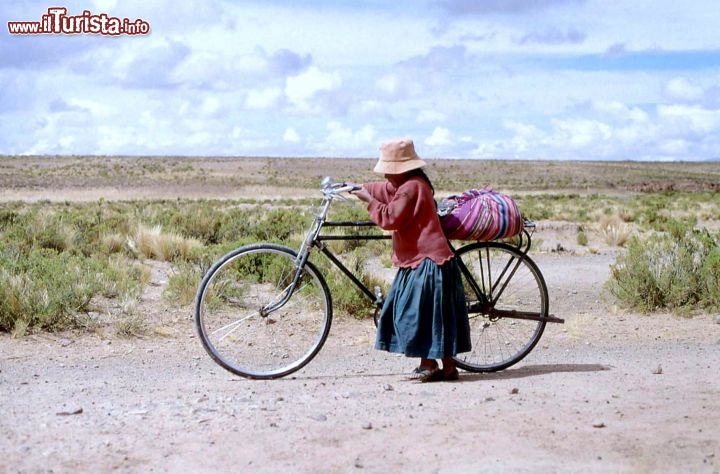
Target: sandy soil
[[608, 391]]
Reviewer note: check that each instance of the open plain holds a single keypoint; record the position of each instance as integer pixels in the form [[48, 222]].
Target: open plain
[[610, 390]]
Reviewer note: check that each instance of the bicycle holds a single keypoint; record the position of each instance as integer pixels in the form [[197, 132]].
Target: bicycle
[[264, 310]]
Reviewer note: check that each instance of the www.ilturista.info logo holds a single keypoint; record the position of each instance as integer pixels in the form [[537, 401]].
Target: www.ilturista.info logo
[[58, 22]]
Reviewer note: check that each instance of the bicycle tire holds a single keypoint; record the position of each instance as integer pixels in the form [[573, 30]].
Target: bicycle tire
[[230, 319], [501, 328]]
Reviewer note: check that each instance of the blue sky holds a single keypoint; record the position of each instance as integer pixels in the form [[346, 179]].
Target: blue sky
[[491, 79]]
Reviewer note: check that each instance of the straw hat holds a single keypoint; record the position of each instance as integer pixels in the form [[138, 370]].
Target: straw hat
[[398, 157]]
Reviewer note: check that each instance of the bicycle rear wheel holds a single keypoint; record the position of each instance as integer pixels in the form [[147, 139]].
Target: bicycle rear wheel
[[253, 321], [507, 299]]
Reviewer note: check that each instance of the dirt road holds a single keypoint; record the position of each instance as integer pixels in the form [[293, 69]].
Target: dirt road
[[606, 392]]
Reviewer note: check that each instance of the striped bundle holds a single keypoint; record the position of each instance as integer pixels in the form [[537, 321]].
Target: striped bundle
[[480, 215]]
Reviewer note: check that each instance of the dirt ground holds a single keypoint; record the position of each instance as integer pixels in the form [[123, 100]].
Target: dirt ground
[[608, 391]]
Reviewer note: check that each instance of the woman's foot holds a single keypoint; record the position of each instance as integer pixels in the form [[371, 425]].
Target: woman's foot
[[430, 371], [427, 371], [451, 375], [449, 370]]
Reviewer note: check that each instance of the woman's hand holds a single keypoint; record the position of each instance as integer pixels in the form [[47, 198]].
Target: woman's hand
[[362, 194]]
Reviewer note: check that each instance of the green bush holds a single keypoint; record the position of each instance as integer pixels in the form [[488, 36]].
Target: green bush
[[183, 285], [677, 270], [122, 279], [45, 289], [582, 238], [710, 278], [279, 225]]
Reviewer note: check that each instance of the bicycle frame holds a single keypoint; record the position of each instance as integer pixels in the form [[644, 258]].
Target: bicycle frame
[[331, 191], [486, 297], [315, 239], [502, 286]]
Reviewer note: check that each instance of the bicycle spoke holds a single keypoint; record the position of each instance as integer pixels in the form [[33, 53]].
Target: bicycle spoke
[[284, 317], [511, 291], [230, 328], [289, 287], [504, 272], [235, 324]]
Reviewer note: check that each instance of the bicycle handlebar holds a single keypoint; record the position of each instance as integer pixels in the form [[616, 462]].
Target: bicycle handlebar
[[330, 188]]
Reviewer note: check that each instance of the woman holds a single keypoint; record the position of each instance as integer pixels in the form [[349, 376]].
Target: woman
[[425, 314]]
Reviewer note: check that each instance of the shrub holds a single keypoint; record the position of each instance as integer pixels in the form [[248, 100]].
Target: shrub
[[122, 279], [235, 223], [45, 289], [40, 228], [582, 238], [183, 285], [677, 270], [710, 278], [278, 225]]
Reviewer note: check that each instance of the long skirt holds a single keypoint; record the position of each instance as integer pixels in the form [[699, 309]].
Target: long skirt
[[425, 313]]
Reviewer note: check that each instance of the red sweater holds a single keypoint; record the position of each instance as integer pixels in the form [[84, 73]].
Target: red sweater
[[409, 212]]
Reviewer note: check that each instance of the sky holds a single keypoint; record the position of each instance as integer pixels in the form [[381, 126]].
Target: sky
[[485, 79]]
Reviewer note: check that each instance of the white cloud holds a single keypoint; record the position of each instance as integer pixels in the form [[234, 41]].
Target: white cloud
[[95, 107], [526, 136], [236, 133], [340, 137], [620, 111], [579, 133], [681, 89], [263, 99], [210, 106], [692, 119], [291, 136], [373, 108], [523, 130], [303, 88], [151, 67], [673, 147], [426, 116], [103, 5], [494, 149], [440, 137], [389, 84]]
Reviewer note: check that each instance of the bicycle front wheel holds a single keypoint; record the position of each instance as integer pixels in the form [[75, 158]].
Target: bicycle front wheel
[[507, 300], [257, 317]]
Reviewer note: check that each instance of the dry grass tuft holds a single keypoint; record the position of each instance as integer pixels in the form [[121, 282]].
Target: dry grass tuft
[[113, 243], [131, 325], [152, 242], [614, 230]]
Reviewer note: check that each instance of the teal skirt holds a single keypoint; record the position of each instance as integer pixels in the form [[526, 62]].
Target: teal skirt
[[425, 314]]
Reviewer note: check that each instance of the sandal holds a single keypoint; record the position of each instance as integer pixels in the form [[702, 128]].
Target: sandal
[[426, 374], [451, 376]]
